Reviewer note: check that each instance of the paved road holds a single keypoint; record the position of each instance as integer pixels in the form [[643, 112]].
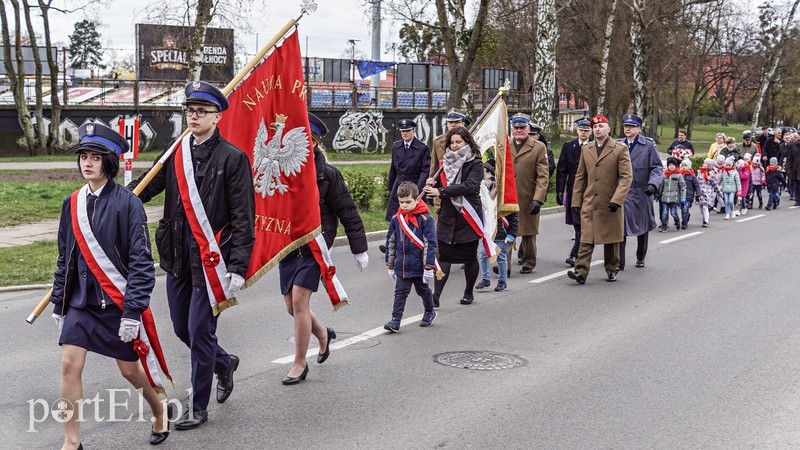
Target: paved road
[[699, 349]]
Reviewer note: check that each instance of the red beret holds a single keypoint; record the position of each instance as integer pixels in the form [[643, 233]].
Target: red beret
[[598, 119]]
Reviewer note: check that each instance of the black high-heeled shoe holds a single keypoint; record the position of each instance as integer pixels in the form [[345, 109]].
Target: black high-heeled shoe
[[157, 438], [295, 380], [323, 356]]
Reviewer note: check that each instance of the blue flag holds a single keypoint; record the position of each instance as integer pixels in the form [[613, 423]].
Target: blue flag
[[367, 68]]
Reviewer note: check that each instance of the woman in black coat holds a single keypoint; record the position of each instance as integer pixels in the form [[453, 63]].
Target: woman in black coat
[[458, 183]]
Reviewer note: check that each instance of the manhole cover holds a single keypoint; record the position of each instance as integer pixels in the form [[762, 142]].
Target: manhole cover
[[480, 360]]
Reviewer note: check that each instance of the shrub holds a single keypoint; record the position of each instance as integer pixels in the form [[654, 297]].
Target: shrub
[[362, 188], [384, 188], [697, 162]]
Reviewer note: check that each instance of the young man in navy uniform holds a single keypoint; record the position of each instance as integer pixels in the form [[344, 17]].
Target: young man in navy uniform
[[411, 160], [565, 179], [223, 177]]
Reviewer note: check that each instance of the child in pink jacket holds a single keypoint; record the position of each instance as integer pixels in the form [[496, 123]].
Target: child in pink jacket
[[744, 168]]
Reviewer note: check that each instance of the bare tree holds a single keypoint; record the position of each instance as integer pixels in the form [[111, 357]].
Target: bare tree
[[601, 101], [16, 74], [544, 85]]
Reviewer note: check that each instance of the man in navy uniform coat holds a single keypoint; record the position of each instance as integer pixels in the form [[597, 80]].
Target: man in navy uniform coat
[[411, 161], [647, 172], [565, 178]]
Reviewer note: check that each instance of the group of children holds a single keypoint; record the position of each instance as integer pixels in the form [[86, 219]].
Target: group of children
[[729, 185]]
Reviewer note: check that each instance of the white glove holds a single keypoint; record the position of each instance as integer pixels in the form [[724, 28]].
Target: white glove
[[362, 259], [391, 274], [59, 319], [427, 276], [128, 329], [236, 281], [510, 238]]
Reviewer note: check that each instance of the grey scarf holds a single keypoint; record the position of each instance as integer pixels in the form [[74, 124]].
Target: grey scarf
[[453, 162]]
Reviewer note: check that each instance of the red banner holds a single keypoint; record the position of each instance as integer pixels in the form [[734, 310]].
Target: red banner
[[268, 120]]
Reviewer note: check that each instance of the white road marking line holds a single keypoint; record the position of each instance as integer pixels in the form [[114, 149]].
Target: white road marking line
[[793, 207], [749, 218], [675, 239], [336, 345], [560, 274]]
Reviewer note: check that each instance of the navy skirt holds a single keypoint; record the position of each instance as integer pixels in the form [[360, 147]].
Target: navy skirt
[[463, 253], [299, 269], [97, 330]]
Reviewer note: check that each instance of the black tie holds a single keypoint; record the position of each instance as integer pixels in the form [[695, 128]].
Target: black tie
[[90, 201], [407, 146]]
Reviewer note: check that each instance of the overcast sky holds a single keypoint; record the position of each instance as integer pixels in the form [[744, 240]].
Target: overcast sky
[[327, 30]]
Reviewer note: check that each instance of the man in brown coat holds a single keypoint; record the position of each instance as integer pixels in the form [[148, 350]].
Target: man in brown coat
[[532, 175], [454, 119], [601, 185]]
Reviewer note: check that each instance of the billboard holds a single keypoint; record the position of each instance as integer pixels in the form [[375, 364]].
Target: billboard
[[163, 53], [28, 62]]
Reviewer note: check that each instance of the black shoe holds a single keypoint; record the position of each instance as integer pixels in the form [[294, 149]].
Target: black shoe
[[620, 268], [382, 248], [323, 356], [570, 261], [496, 270], [435, 300], [576, 276], [225, 380], [466, 301], [639, 264], [80, 446], [525, 270], [191, 419], [611, 277], [157, 438], [295, 380]]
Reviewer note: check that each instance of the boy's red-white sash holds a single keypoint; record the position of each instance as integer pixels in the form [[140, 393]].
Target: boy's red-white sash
[[418, 242], [474, 220], [147, 345], [214, 268]]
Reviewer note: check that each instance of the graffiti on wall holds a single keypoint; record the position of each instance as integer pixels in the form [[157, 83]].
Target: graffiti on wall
[[362, 131]]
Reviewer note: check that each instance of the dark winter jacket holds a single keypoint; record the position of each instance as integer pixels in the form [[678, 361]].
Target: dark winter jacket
[[119, 223], [452, 228], [692, 185], [225, 181], [402, 255], [503, 230], [775, 180]]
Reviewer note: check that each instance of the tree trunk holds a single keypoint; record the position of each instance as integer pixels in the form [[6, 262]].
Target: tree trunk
[[460, 65], [40, 129], [601, 101], [638, 54], [17, 77], [198, 39], [771, 73], [544, 85], [54, 136]]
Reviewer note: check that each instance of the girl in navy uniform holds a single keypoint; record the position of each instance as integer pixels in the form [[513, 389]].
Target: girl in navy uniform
[[300, 272], [108, 243]]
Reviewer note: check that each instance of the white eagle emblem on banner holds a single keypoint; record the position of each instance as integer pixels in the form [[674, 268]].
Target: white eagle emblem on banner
[[283, 154]]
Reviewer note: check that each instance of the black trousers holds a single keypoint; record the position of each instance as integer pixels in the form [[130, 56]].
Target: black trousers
[[574, 251], [641, 248], [402, 288]]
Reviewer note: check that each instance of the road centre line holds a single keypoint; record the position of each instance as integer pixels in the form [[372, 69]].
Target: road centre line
[[336, 345], [561, 273], [750, 218], [675, 239]]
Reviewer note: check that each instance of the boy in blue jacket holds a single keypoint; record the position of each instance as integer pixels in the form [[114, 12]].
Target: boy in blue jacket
[[411, 254]]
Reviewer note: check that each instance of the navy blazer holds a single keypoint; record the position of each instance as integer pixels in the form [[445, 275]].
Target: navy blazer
[[407, 165]]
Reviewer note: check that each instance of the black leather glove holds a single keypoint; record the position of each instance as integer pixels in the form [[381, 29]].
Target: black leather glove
[[650, 189], [559, 198], [613, 207], [576, 210], [536, 205]]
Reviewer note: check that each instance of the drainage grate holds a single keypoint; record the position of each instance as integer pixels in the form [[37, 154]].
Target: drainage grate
[[480, 360]]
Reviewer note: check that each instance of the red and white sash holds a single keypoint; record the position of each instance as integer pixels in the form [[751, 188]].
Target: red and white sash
[[418, 242], [147, 345], [474, 220], [214, 268], [335, 290]]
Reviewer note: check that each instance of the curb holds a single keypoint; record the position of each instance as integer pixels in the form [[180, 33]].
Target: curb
[[340, 241]]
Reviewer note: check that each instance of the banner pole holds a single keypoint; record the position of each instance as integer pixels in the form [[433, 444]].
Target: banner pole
[[160, 163]]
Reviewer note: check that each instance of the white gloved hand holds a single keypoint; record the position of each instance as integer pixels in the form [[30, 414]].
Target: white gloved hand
[[427, 276], [59, 319], [236, 281], [128, 329], [362, 259], [391, 274], [510, 238]]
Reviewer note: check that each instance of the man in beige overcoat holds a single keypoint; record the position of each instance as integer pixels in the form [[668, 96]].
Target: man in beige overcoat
[[601, 185], [532, 176]]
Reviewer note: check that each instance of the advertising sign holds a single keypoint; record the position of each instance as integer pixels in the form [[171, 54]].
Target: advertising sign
[[163, 53]]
